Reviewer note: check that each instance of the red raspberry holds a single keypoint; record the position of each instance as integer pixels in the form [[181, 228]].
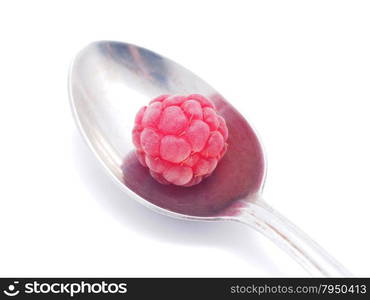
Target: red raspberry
[[180, 138]]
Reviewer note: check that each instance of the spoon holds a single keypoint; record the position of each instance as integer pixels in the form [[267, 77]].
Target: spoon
[[109, 81]]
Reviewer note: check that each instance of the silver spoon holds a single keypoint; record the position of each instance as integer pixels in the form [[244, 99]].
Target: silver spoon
[[109, 82]]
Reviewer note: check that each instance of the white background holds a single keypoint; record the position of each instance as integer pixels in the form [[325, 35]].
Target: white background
[[301, 73]]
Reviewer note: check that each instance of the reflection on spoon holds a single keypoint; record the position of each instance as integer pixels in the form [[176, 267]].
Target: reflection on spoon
[[238, 175]]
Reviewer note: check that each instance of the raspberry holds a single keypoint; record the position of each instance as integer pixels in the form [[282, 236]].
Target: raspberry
[[180, 139]]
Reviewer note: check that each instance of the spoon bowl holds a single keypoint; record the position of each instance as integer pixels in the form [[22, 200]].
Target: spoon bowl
[[109, 82]]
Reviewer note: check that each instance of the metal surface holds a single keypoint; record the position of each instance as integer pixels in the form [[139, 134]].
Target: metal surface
[[110, 81]]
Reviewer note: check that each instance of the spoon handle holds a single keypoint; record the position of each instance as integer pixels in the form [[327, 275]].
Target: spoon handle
[[262, 217]]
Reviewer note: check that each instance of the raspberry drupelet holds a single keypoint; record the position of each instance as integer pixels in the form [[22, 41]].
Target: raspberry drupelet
[[180, 138]]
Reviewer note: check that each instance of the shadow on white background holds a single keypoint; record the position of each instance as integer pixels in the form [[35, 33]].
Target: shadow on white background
[[229, 236]]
